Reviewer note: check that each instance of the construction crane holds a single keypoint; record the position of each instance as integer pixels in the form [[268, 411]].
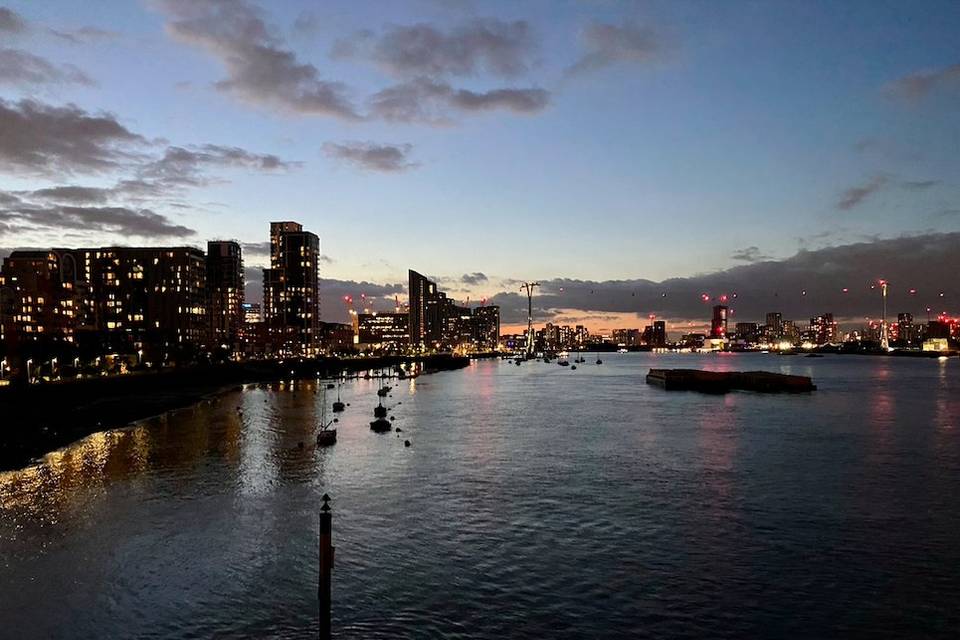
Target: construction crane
[[528, 287]]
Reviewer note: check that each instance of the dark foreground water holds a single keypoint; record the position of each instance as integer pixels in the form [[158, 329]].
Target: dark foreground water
[[535, 502]]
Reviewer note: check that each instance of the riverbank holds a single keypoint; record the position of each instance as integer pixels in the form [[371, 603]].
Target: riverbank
[[40, 418]]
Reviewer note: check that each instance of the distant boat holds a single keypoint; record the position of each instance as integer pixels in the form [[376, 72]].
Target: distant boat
[[622, 350], [563, 362], [338, 406], [381, 425], [326, 436]]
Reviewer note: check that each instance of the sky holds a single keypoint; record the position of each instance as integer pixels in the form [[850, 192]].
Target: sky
[[630, 156]]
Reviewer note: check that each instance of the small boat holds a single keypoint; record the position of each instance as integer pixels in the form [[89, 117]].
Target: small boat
[[599, 361], [381, 425], [379, 411], [383, 391], [338, 406], [563, 362], [326, 436], [622, 350], [814, 355], [573, 367], [330, 385]]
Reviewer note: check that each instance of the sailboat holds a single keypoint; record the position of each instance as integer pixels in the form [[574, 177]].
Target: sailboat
[[339, 406], [326, 436], [599, 361], [380, 424]]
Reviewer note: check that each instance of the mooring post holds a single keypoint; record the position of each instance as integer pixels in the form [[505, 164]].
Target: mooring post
[[326, 566]]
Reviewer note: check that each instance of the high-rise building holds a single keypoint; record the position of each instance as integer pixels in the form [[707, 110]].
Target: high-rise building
[[774, 327], [906, 330], [658, 337], [151, 299], [42, 302], [225, 293], [747, 331], [291, 296], [823, 329], [718, 324], [383, 330], [486, 321], [425, 311]]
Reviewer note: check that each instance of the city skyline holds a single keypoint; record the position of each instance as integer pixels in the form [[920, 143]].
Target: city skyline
[[712, 169]]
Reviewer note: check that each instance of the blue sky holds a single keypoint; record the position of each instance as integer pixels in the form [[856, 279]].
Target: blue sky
[[672, 137]]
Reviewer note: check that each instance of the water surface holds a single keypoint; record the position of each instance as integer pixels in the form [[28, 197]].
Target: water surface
[[534, 502]]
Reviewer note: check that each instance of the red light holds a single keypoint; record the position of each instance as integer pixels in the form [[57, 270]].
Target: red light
[[845, 290], [723, 298], [913, 292]]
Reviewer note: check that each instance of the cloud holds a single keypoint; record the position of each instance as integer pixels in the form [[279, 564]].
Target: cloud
[[913, 262], [608, 44], [750, 254], [260, 69], [387, 158], [917, 86], [186, 166], [473, 278], [120, 220], [428, 101], [919, 185], [11, 22], [20, 68], [480, 45], [73, 194], [36, 138], [854, 196], [84, 35], [259, 249]]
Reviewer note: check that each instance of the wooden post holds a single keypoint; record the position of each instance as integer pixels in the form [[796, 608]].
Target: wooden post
[[326, 566]]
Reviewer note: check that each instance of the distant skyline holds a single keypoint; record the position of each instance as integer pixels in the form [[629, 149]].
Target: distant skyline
[[617, 150]]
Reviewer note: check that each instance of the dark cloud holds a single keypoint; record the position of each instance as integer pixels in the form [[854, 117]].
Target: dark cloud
[[480, 45], [473, 278], [73, 194], [258, 249], [121, 220], [37, 138], [11, 22], [387, 158], [917, 86], [188, 166], [854, 196], [608, 44], [84, 35], [750, 254], [428, 101], [919, 185], [260, 69], [915, 262], [21, 68]]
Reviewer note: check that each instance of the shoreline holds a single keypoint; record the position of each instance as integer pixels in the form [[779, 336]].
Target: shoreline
[[43, 418]]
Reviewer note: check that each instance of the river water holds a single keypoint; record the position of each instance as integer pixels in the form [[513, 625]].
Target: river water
[[534, 502]]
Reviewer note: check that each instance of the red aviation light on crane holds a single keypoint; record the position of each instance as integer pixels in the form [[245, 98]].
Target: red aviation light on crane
[[705, 297], [723, 298]]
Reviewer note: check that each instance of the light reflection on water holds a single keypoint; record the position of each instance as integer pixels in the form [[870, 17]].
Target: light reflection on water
[[535, 502]]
